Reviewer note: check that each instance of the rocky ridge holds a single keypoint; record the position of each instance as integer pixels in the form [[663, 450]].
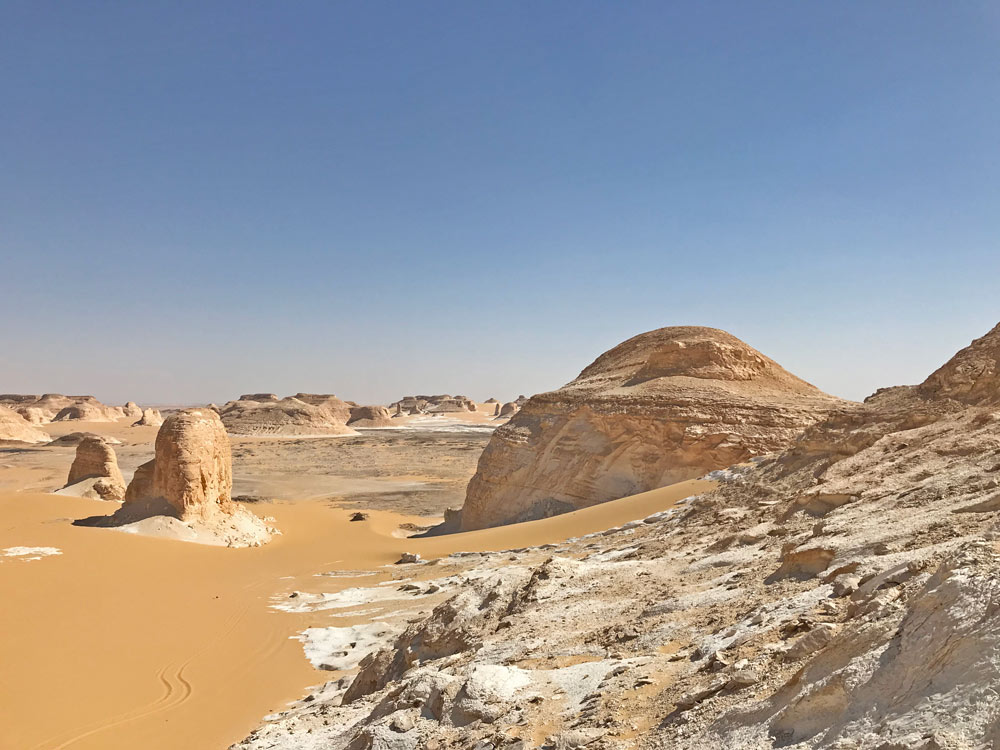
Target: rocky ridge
[[840, 594]]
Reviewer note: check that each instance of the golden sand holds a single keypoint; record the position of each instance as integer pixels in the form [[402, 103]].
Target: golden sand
[[132, 642]]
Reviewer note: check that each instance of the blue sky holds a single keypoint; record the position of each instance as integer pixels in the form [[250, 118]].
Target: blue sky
[[199, 199]]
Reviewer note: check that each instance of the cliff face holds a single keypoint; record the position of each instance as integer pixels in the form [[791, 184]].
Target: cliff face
[[662, 407]]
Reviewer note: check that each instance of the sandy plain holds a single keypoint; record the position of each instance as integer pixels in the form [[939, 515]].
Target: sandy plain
[[121, 641]]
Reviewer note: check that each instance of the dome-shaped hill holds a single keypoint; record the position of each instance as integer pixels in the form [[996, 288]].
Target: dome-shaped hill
[[662, 407]]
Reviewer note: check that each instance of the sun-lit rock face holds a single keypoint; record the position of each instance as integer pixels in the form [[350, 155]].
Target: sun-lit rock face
[[15, 428], [150, 418], [193, 470], [370, 416], [96, 459], [662, 407], [302, 414], [972, 376]]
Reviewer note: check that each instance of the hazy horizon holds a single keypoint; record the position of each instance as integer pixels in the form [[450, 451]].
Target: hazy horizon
[[386, 199]]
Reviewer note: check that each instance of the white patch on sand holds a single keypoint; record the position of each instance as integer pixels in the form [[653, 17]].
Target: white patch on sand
[[340, 649], [31, 553]]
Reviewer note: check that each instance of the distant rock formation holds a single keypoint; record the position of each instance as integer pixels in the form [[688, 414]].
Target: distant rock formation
[[132, 410], [370, 416], [15, 428], [149, 418], [96, 465], [509, 409], [304, 414], [440, 404], [54, 407], [491, 401], [496, 410], [662, 407], [191, 480]]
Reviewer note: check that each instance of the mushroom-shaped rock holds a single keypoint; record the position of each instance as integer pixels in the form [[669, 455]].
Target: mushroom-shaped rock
[[95, 460], [508, 409]]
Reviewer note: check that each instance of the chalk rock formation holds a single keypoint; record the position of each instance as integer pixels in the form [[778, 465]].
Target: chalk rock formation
[[496, 410], [304, 414], [52, 407], [509, 409], [439, 404], [97, 465], [191, 479], [662, 407], [132, 410], [15, 428], [149, 418], [370, 416]]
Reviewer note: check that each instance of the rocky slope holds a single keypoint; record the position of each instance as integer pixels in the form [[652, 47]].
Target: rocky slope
[[304, 414], [662, 407], [824, 597]]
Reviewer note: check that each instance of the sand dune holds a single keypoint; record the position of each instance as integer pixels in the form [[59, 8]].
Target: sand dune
[[167, 645]]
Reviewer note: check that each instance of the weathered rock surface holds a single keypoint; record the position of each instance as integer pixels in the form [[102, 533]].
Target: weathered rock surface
[[150, 418], [304, 414], [370, 416], [15, 428], [817, 599], [96, 460], [190, 479], [662, 407], [508, 410]]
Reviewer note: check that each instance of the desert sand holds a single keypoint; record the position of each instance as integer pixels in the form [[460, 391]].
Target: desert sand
[[164, 644]]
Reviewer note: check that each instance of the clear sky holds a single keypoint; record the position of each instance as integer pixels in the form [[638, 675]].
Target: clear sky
[[200, 199]]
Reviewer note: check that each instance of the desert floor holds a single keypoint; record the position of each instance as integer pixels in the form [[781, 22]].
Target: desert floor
[[113, 640]]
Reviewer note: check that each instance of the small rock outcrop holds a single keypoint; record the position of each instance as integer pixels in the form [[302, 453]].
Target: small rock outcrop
[[15, 428], [149, 418], [508, 410], [304, 414], [662, 407], [370, 416], [97, 465]]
